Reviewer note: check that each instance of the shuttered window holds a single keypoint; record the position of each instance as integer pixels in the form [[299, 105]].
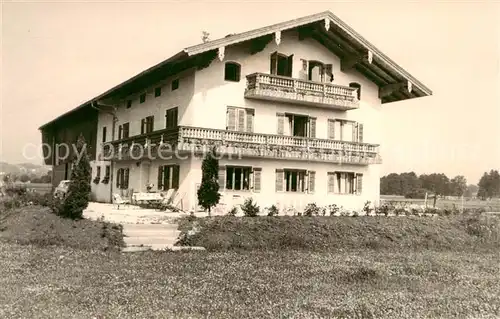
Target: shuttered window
[[281, 123], [168, 177], [122, 178], [240, 119], [344, 182], [171, 116]]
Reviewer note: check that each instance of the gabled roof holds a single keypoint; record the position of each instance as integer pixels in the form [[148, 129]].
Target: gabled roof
[[336, 35]]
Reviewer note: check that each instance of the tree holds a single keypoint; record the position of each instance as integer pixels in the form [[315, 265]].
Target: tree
[[208, 193], [24, 178], [458, 185], [489, 185], [78, 196], [471, 190]]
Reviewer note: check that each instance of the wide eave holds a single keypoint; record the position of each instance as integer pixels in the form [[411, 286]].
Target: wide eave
[[395, 83]]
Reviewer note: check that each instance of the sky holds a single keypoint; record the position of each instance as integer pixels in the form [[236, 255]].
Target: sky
[[58, 55]]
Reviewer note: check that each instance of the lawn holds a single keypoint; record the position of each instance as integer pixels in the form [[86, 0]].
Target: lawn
[[492, 205], [368, 267]]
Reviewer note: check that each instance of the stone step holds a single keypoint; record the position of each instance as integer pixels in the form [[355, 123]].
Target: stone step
[[149, 240], [131, 249]]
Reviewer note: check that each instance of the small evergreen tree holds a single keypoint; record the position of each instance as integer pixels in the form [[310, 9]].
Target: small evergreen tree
[[78, 196], [208, 193]]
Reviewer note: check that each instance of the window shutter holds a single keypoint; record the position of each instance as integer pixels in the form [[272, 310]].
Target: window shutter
[[256, 179], [222, 178], [120, 131], [280, 176], [354, 132], [231, 119], [250, 116], [281, 123], [126, 174], [160, 178], [289, 65], [166, 177], [312, 181], [142, 125], [175, 115], [331, 183], [312, 127], [241, 120], [331, 129], [175, 176], [274, 63], [359, 184], [360, 133], [329, 70], [118, 172]]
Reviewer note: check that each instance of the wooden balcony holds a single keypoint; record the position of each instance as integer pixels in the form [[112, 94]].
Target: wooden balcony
[[234, 144], [284, 89]]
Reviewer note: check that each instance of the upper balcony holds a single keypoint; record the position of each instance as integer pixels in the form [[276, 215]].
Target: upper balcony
[[188, 139], [285, 89]]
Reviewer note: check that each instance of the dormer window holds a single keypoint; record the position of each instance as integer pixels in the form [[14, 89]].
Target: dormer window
[[232, 72], [281, 64], [356, 86]]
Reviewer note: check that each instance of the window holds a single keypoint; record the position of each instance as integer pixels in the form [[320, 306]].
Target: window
[[175, 84], [356, 86], [123, 131], [296, 125], [168, 177], [232, 72], [343, 130], [129, 104], [106, 175], [345, 183], [171, 118], [122, 177], [319, 72], [239, 119], [104, 132], [147, 125], [142, 98], [295, 180], [157, 91], [240, 178], [281, 64]]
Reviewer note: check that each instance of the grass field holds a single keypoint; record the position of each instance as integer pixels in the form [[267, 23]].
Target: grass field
[[455, 277], [489, 205]]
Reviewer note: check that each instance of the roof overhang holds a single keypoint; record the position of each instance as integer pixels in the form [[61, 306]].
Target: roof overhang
[[355, 52]]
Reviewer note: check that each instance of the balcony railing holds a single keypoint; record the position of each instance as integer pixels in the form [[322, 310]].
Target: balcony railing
[[285, 89], [245, 144]]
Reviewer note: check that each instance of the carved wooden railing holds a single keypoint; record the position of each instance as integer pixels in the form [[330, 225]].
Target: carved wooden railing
[[276, 87], [187, 138]]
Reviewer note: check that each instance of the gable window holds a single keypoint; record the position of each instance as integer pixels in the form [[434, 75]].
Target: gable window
[[104, 132], [343, 130], [356, 86], [168, 177], [239, 119], [171, 118], [122, 178], [157, 91], [142, 98], [123, 131], [281, 64], [129, 104], [345, 183], [175, 84], [147, 124], [296, 125], [232, 71]]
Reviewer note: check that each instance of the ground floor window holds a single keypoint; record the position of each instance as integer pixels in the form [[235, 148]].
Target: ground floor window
[[168, 177], [295, 180], [240, 178], [122, 178], [345, 183]]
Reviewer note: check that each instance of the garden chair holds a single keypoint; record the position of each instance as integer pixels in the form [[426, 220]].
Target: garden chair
[[118, 200], [167, 199]]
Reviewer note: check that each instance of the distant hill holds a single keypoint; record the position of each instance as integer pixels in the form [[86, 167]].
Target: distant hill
[[23, 168]]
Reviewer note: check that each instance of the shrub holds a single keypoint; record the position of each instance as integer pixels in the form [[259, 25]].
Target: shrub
[[311, 209], [249, 208], [15, 190], [333, 209], [233, 211], [208, 193], [78, 196], [355, 213], [366, 208], [418, 193], [273, 211]]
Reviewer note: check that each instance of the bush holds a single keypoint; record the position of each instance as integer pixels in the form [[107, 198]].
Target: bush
[[273, 211], [15, 190], [233, 211], [333, 209], [249, 208], [366, 208], [418, 193], [311, 209]]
